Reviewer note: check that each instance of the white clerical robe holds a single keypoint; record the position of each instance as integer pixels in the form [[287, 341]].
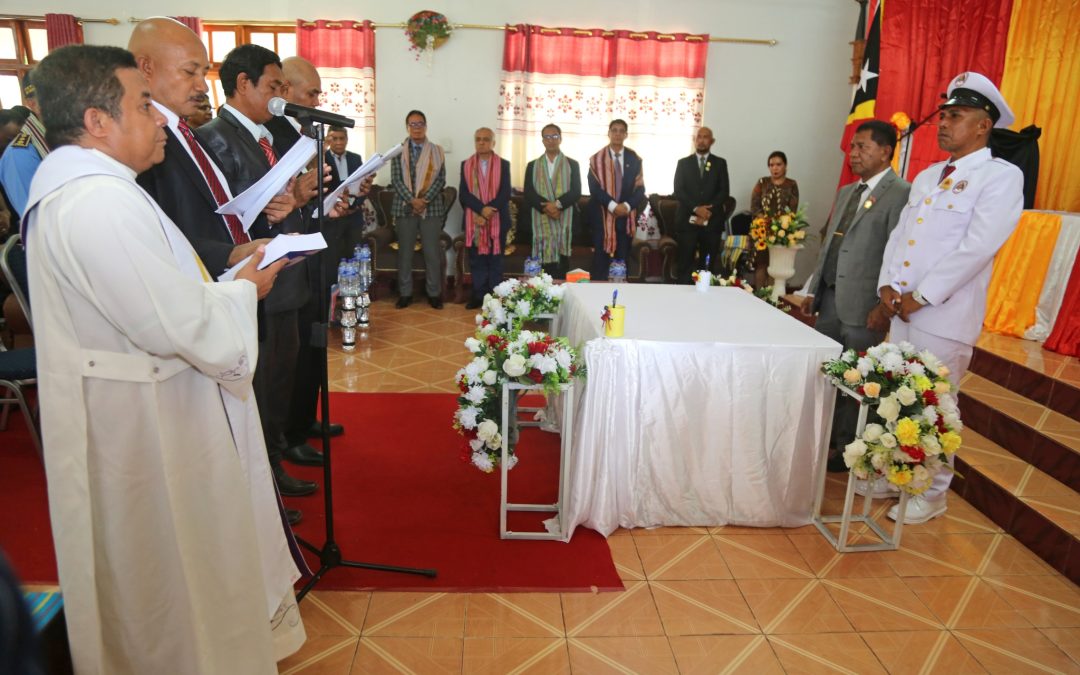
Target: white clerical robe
[[170, 549]]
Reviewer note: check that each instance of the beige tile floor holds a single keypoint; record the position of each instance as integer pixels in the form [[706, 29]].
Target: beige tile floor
[[961, 596]]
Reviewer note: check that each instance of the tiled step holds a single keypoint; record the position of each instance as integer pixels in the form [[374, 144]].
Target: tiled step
[[1020, 462]]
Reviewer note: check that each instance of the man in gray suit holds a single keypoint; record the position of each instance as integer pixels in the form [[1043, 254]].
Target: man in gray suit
[[844, 287]]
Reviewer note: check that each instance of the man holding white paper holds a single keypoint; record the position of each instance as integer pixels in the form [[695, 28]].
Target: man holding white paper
[[243, 148]]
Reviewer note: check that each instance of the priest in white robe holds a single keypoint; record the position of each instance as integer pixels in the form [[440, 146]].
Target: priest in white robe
[[144, 373]]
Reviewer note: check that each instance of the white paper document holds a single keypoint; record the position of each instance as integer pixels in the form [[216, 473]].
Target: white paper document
[[368, 168], [249, 204], [294, 247]]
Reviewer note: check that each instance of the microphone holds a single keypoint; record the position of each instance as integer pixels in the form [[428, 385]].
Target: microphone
[[280, 107]]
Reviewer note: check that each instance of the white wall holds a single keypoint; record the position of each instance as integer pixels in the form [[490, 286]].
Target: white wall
[[791, 97]]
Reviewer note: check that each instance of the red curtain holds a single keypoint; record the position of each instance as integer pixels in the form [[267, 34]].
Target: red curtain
[[336, 44], [604, 53], [192, 22], [62, 29], [1065, 338], [924, 44]]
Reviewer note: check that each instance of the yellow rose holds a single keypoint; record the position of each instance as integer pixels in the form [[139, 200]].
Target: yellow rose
[[942, 387], [785, 221], [899, 475], [943, 371], [852, 376], [907, 431], [800, 234], [872, 389], [922, 383], [950, 442]]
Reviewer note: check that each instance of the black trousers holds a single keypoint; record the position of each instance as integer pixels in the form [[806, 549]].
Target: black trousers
[[694, 244], [273, 382]]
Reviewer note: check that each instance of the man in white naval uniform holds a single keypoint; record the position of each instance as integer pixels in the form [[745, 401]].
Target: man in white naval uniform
[[938, 261], [153, 453]]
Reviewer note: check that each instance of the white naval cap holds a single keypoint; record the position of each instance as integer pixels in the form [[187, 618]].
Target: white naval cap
[[973, 90]]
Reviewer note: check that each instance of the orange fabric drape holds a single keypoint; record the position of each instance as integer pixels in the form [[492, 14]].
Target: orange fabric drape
[[1019, 272], [1041, 82]]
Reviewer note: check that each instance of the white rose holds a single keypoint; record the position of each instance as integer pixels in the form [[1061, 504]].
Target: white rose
[[472, 344], [487, 430], [873, 432], [495, 442], [476, 444], [853, 452], [889, 408], [906, 395], [481, 461], [515, 365], [490, 377], [878, 460], [930, 444], [887, 440], [467, 417]]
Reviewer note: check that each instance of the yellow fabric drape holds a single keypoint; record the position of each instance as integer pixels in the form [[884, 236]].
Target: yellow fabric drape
[[1041, 83], [1019, 272]]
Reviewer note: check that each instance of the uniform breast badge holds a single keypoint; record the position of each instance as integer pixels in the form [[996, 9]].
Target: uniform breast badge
[[960, 187]]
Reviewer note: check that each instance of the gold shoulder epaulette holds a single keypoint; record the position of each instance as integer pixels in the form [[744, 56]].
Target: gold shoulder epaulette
[[21, 141]]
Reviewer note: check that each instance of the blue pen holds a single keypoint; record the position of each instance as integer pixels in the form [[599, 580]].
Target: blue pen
[[615, 298], [706, 262]]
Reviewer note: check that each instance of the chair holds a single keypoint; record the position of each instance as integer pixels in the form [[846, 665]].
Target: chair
[[383, 239], [18, 367], [666, 207]]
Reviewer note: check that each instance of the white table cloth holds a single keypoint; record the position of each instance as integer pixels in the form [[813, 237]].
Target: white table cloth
[[710, 411]]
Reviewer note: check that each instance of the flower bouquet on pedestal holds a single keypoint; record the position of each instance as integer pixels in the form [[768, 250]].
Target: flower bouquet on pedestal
[[514, 302], [920, 425], [499, 356], [782, 233]]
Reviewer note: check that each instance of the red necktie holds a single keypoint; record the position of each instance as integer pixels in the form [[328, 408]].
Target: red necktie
[[236, 229], [949, 168], [268, 151]]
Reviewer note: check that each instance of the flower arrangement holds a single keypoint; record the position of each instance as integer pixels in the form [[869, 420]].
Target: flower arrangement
[[514, 302], [499, 356], [426, 31], [783, 228], [921, 425]]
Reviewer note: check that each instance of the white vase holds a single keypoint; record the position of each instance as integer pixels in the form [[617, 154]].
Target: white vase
[[781, 268]]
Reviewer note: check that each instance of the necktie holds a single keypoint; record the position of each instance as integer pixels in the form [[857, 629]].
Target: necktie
[[701, 166], [850, 210], [949, 168], [268, 150], [236, 229], [618, 175], [828, 274]]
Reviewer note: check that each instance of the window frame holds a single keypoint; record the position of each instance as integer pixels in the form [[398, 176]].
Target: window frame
[[25, 59], [243, 33]]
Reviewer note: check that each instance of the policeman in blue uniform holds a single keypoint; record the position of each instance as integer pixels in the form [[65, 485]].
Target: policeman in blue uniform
[[22, 157]]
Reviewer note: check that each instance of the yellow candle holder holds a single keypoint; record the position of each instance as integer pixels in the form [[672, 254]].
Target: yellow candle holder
[[613, 327]]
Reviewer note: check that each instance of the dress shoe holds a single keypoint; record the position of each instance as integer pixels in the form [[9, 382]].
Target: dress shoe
[[292, 487], [403, 301], [303, 454], [473, 303], [316, 430], [919, 510], [294, 516], [436, 303], [836, 465]]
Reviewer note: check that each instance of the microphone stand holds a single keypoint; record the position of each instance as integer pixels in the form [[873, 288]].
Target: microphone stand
[[906, 136], [330, 555]]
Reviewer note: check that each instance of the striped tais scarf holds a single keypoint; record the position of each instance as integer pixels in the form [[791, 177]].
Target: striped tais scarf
[[428, 166], [607, 173], [551, 238], [485, 187]]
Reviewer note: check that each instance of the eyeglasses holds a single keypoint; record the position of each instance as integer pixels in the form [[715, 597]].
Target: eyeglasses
[[417, 125], [552, 137]]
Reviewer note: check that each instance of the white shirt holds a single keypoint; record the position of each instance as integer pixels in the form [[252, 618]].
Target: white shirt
[[874, 180], [257, 131], [617, 157], [172, 121]]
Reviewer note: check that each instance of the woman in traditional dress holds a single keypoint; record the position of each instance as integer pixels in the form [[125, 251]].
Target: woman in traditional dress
[[772, 194]]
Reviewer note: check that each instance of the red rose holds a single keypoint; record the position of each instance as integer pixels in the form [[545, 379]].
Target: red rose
[[914, 451], [861, 390], [537, 348], [536, 376], [929, 397]]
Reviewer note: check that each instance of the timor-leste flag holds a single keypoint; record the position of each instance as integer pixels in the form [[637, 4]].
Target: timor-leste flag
[[864, 98]]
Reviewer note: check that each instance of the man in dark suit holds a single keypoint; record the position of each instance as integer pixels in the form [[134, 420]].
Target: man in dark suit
[[347, 230], [616, 190], [844, 286], [243, 148], [552, 191], [189, 185], [701, 186], [485, 203]]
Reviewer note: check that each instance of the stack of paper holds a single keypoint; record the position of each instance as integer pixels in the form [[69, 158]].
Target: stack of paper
[[368, 168], [249, 204], [293, 247]]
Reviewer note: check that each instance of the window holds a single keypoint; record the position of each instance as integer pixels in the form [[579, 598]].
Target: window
[[22, 45], [220, 38]]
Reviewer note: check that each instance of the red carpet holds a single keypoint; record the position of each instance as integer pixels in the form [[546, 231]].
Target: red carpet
[[402, 497]]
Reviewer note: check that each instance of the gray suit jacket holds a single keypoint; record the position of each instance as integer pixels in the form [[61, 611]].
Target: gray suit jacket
[[862, 248]]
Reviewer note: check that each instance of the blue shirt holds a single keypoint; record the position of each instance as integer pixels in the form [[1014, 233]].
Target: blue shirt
[[17, 168]]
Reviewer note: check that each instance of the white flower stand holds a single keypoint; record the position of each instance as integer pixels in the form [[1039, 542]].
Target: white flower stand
[[530, 420], [556, 525], [889, 542]]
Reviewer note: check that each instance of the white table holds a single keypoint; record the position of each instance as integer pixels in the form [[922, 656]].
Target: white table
[[710, 410]]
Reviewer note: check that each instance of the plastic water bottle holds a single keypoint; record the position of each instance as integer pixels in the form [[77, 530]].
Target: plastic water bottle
[[363, 279], [617, 271], [349, 288], [532, 267]]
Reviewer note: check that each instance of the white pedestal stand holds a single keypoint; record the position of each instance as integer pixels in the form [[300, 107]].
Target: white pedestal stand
[[530, 412], [847, 517], [554, 533]]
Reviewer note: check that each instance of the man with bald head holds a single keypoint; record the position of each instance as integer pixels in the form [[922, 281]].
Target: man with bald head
[[485, 203], [189, 186], [701, 186]]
